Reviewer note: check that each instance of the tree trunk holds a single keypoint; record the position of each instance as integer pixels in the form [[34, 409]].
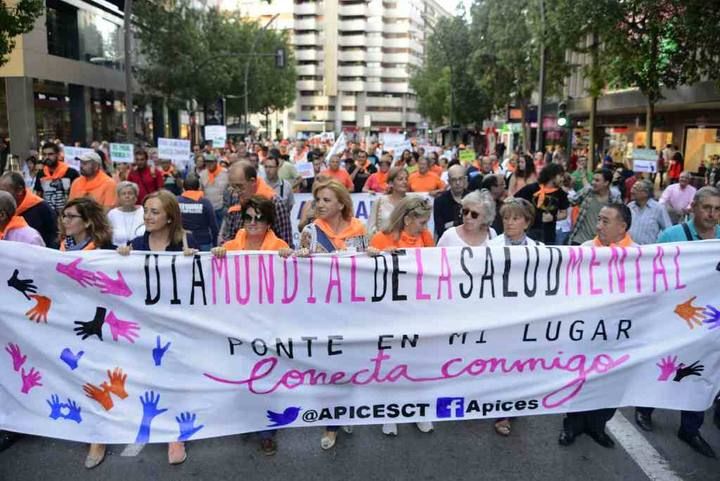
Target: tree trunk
[[649, 123], [525, 126]]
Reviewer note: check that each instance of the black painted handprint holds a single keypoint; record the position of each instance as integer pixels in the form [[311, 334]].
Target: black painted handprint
[[22, 285], [94, 327], [684, 371]]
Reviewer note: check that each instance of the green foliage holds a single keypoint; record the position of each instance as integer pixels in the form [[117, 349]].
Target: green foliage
[[16, 20], [201, 54]]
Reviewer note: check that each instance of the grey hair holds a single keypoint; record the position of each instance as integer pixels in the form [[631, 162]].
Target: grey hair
[[484, 199], [704, 192], [7, 203], [125, 184], [646, 185]]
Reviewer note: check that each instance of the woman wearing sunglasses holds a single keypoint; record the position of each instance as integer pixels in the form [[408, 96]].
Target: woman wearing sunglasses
[[478, 212]]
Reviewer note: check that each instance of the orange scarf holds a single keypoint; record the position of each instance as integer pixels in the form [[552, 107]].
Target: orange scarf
[[540, 194], [86, 185], [212, 175], [195, 195], [271, 242], [381, 179], [60, 170], [263, 190], [89, 247], [30, 201], [354, 229], [385, 241], [168, 173], [624, 242], [17, 222]]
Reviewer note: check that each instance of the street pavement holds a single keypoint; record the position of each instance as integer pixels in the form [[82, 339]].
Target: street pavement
[[455, 450]]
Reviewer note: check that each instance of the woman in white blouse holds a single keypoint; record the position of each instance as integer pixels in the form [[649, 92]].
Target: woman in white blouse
[[478, 210], [517, 216], [126, 219], [384, 205]]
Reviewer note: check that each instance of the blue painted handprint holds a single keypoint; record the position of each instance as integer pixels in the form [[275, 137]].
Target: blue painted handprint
[[186, 421], [150, 410], [159, 351], [73, 411], [70, 358], [713, 317], [55, 407]]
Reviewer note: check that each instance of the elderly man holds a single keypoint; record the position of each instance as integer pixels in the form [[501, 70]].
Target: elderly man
[[336, 172], [677, 198], [649, 218], [93, 181], [13, 226], [705, 210], [591, 200], [244, 183], [37, 213], [614, 222], [214, 180], [447, 209], [425, 181]]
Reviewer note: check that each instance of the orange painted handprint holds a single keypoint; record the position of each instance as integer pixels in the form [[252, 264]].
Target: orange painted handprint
[[102, 396], [40, 311], [117, 383], [691, 314]]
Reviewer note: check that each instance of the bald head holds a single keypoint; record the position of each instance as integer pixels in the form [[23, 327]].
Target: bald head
[[242, 177]]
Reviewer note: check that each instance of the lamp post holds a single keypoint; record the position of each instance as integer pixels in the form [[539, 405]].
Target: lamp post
[[129, 112]]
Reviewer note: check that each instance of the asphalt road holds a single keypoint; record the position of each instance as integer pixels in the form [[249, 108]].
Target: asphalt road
[[455, 450]]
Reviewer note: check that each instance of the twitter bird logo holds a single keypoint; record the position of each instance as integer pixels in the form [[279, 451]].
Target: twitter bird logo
[[284, 418]]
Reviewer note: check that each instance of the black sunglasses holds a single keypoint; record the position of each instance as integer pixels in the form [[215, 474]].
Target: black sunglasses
[[472, 213], [257, 218]]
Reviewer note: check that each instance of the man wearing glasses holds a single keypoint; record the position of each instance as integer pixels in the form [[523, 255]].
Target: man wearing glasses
[[447, 210]]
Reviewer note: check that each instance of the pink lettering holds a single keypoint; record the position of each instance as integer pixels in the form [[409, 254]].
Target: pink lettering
[[219, 269], [445, 275], [419, 294], [334, 280], [659, 269], [353, 282], [311, 298], [676, 258], [266, 279], [619, 265], [638, 273], [593, 264], [288, 298], [242, 299], [574, 263]]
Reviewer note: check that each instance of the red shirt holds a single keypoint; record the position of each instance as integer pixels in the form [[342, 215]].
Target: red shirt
[[147, 182]]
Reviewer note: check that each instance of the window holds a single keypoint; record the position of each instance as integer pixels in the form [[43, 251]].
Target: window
[[62, 30]]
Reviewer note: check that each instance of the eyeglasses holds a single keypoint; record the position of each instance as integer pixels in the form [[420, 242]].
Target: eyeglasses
[[71, 216], [472, 213], [456, 179], [257, 218]]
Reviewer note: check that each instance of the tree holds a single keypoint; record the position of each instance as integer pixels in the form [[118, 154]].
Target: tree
[[16, 20]]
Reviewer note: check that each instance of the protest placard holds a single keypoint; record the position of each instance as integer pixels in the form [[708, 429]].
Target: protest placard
[[305, 169], [177, 150], [73, 153], [122, 153], [217, 134], [644, 160]]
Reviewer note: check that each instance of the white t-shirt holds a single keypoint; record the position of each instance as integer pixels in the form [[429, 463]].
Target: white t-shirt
[[450, 238], [126, 225]]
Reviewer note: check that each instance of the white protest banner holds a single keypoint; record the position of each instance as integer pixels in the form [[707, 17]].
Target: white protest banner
[[73, 153], [644, 160], [162, 347], [362, 203], [337, 147], [217, 134], [305, 170], [177, 150], [122, 153]]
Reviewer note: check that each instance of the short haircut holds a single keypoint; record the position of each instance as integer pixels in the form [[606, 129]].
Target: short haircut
[[142, 153], [125, 184], [549, 172], [645, 185], [623, 211], [192, 182], [606, 173], [342, 194], [489, 181], [7, 204], [248, 170], [16, 179], [704, 192], [484, 199], [51, 145], [262, 206], [518, 206], [274, 160]]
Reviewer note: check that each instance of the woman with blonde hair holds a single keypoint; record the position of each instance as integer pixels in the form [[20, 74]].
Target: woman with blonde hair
[[406, 228], [397, 188]]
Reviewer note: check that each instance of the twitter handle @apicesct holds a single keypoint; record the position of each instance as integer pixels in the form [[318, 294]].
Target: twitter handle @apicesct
[[374, 411]]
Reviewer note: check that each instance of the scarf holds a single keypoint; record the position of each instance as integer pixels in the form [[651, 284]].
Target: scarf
[[60, 170], [624, 242], [540, 194], [195, 195], [86, 185], [271, 242], [213, 174], [264, 190], [17, 222], [354, 229], [168, 173], [30, 201], [89, 247]]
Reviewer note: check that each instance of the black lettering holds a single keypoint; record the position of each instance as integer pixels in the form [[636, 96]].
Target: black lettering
[[487, 408], [233, 341], [422, 407], [557, 331], [257, 350], [325, 414], [396, 296], [287, 349], [525, 334], [507, 405], [408, 411], [407, 340], [520, 405], [331, 341], [473, 407], [376, 297], [531, 292], [197, 281], [533, 404], [151, 300], [623, 328], [392, 411], [381, 341], [175, 300], [489, 274], [340, 411], [600, 331], [463, 293], [482, 338], [506, 275], [461, 335], [552, 291], [576, 334], [309, 340], [363, 412]]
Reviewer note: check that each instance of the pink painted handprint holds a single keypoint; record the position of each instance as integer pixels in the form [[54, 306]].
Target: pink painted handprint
[[30, 380], [17, 356], [114, 287], [667, 366], [81, 276], [121, 328]]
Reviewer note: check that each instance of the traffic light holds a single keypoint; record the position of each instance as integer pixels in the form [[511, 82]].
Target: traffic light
[[280, 58], [562, 118]]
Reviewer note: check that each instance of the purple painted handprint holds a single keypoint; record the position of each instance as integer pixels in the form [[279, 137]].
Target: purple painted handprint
[[114, 287], [667, 366], [713, 317], [81, 276], [17, 356], [30, 380], [121, 328]]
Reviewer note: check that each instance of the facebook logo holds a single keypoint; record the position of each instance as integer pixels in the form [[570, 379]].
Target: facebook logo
[[448, 407]]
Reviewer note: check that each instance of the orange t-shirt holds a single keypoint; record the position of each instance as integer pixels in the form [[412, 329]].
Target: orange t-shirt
[[101, 188], [425, 182], [385, 241], [340, 175], [437, 170], [271, 242]]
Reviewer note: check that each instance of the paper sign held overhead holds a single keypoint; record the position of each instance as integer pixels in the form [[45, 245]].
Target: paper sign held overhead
[[122, 153]]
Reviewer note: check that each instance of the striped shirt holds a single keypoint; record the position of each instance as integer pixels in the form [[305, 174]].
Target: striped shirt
[[648, 222]]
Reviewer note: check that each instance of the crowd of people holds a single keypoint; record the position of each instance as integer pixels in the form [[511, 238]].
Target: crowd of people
[[240, 198]]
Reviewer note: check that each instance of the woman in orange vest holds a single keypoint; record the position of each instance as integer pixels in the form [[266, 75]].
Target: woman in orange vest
[[84, 226], [406, 228]]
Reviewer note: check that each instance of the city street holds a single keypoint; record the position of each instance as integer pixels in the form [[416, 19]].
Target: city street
[[456, 450]]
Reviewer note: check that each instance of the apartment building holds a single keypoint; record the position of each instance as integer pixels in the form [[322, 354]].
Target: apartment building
[[354, 61]]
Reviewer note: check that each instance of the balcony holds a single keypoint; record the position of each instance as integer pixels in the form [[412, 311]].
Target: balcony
[[316, 100], [308, 55], [396, 58], [356, 25], [309, 69], [393, 87], [306, 24], [396, 43], [395, 72], [384, 102], [348, 116], [352, 40], [307, 8], [375, 86], [381, 117], [397, 27], [351, 55], [355, 10], [351, 85], [309, 85], [351, 71], [373, 72], [306, 39]]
